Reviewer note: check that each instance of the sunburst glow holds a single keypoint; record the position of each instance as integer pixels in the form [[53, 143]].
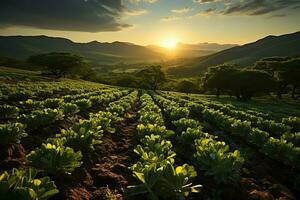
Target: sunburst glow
[[170, 43]]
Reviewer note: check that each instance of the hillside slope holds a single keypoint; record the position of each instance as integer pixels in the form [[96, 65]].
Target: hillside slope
[[106, 53], [245, 55]]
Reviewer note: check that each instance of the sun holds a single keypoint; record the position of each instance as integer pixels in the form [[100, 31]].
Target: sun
[[169, 43]]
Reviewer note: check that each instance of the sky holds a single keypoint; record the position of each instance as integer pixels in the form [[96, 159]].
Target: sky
[[148, 22]]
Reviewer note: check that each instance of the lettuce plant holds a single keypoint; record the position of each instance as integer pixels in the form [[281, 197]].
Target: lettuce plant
[[83, 136], [12, 133], [178, 112], [52, 103], [154, 129], [293, 122], [69, 109], [23, 184], [39, 118], [184, 123], [7, 111], [83, 104], [214, 158], [54, 159], [164, 182], [115, 108]]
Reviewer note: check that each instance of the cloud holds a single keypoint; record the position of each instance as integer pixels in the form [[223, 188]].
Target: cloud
[[136, 12], [138, 1], [170, 18], [208, 12], [182, 10], [258, 7], [249, 7], [205, 1], [67, 15]]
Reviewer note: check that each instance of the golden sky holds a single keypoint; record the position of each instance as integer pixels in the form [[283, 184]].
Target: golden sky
[[148, 22]]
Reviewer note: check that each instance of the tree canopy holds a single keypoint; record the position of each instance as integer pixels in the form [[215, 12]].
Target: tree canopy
[[243, 83], [152, 76], [58, 64]]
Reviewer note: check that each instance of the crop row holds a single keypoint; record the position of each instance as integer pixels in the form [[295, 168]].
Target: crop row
[[40, 90], [49, 110], [212, 157], [278, 149], [277, 129], [61, 154], [155, 169]]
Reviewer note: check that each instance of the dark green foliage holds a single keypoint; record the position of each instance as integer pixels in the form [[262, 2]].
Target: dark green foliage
[[55, 159], [152, 76], [58, 64], [11, 133], [23, 184], [242, 83], [188, 87]]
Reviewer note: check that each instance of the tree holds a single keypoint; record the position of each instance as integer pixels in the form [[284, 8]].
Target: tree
[[219, 78], [289, 74], [187, 87], [152, 76], [248, 82], [243, 83], [286, 70], [59, 64]]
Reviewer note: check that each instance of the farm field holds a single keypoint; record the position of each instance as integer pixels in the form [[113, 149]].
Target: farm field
[[74, 139]]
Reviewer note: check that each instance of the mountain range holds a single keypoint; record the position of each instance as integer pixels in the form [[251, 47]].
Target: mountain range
[[245, 55], [190, 59], [21, 47]]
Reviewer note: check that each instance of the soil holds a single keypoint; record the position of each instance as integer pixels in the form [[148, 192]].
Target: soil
[[108, 174], [261, 177]]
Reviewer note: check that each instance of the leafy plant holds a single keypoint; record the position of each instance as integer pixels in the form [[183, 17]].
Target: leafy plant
[[52, 103], [106, 120], [282, 150], [214, 158], [69, 109], [154, 129], [272, 127], [55, 159], [191, 134], [11, 133], [40, 118], [7, 111], [83, 136], [116, 108], [184, 123], [293, 122], [19, 95], [83, 104], [23, 184], [292, 137], [195, 108], [178, 112], [151, 118], [164, 182]]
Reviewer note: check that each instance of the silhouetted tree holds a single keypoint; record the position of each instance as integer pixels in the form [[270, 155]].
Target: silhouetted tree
[[285, 70], [58, 64], [187, 87], [218, 78], [243, 83], [152, 76]]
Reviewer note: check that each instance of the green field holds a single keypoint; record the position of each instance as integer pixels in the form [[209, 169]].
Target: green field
[[74, 139]]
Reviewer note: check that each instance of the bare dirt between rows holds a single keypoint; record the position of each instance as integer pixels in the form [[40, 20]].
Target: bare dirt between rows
[[261, 177], [108, 173]]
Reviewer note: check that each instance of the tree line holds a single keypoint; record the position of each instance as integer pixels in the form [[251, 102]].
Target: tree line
[[273, 75], [268, 76]]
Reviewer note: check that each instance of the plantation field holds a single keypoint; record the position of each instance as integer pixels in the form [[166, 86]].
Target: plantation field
[[69, 139]]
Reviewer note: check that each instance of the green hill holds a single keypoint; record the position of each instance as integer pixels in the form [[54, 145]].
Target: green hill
[[245, 55], [21, 47]]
